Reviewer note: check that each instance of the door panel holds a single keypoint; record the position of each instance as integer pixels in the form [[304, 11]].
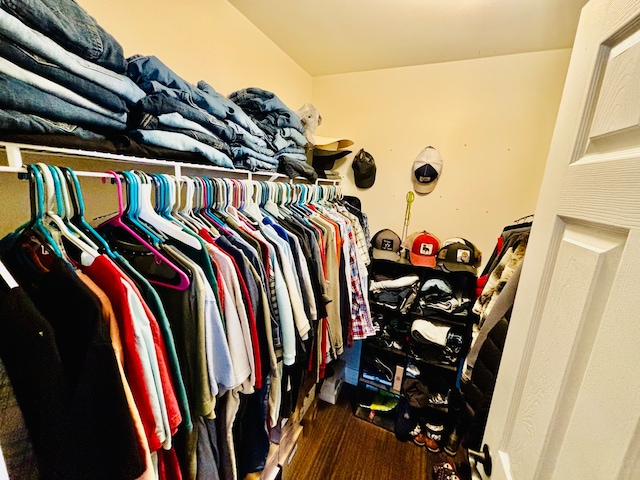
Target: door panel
[[566, 399]]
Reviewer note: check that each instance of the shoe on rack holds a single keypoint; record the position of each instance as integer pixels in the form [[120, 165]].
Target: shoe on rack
[[434, 437], [420, 439], [452, 442], [439, 400]]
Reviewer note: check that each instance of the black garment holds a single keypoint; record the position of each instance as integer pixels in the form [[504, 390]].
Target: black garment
[[296, 168], [98, 439], [17, 449], [478, 392], [32, 361]]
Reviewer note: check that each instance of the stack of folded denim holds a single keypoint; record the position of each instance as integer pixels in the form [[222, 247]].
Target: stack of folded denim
[[60, 72], [283, 126], [178, 115]]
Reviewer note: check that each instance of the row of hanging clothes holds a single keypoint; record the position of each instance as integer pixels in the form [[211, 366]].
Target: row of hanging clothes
[[167, 340]]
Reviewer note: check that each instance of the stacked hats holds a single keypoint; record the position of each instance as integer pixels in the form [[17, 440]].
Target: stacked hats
[[364, 169], [422, 247], [385, 245], [426, 171], [326, 151], [459, 255]]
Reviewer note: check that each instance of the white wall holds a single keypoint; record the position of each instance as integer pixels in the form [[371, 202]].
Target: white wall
[[491, 119]]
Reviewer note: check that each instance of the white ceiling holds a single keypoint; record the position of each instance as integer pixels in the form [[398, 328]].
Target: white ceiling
[[337, 36]]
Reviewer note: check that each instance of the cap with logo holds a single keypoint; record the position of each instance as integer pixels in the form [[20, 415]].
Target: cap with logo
[[423, 248], [385, 245], [459, 255], [426, 171], [364, 169]]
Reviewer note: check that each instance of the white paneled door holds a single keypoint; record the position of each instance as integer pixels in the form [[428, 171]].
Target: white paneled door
[[567, 399]]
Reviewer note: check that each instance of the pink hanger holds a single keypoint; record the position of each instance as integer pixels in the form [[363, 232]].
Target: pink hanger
[[116, 221]]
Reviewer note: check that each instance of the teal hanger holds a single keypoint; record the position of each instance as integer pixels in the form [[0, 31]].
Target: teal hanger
[[77, 214], [36, 184], [131, 212]]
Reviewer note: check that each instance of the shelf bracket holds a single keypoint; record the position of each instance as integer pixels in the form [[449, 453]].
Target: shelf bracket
[[14, 157]]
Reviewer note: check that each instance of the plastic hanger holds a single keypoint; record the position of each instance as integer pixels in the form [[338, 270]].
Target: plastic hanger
[[7, 277], [117, 222], [52, 197], [36, 185], [130, 213], [185, 214], [201, 201], [65, 209], [77, 214], [160, 224]]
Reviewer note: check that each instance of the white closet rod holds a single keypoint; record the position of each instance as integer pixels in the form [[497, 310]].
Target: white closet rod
[[16, 164]]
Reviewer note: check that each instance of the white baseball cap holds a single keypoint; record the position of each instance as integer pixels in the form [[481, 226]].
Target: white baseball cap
[[426, 171]]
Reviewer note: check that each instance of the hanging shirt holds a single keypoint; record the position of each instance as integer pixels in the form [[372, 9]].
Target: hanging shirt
[[96, 399]]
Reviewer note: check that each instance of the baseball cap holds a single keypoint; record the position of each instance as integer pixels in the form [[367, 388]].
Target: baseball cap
[[364, 169], [423, 248], [386, 245], [427, 168], [459, 255], [325, 159]]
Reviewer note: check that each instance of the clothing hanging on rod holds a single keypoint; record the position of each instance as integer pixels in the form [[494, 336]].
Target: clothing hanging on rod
[[213, 306]]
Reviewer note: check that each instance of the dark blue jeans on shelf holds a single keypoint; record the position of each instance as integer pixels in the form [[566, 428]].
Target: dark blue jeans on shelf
[[70, 26], [38, 65], [12, 121], [182, 142], [145, 69], [238, 115], [38, 43], [160, 103], [20, 96]]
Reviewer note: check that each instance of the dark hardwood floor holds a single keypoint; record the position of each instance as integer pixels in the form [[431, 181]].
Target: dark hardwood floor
[[339, 446]]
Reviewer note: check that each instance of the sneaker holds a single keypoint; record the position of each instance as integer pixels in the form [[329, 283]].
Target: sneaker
[[434, 437], [420, 439], [438, 399]]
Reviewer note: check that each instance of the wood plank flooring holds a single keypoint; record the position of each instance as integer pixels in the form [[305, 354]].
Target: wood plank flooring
[[339, 446]]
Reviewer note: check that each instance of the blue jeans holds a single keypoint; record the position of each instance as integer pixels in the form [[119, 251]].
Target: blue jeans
[[91, 91], [144, 70], [184, 143], [41, 83], [36, 42], [239, 116], [246, 134], [253, 164], [20, 96], [242, 152], [160, 123], [70, 26], [13, 121], [160, 103], [259, 100]]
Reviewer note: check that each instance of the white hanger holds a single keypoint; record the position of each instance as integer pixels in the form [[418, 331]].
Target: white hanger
[[88, 253], [151, 217], [7, 277]]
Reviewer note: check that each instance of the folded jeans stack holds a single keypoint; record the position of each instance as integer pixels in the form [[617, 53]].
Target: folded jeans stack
[[283, 127], [60, 69]]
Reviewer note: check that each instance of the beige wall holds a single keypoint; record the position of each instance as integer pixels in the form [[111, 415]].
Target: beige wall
[[204, 40], [491, 119]]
